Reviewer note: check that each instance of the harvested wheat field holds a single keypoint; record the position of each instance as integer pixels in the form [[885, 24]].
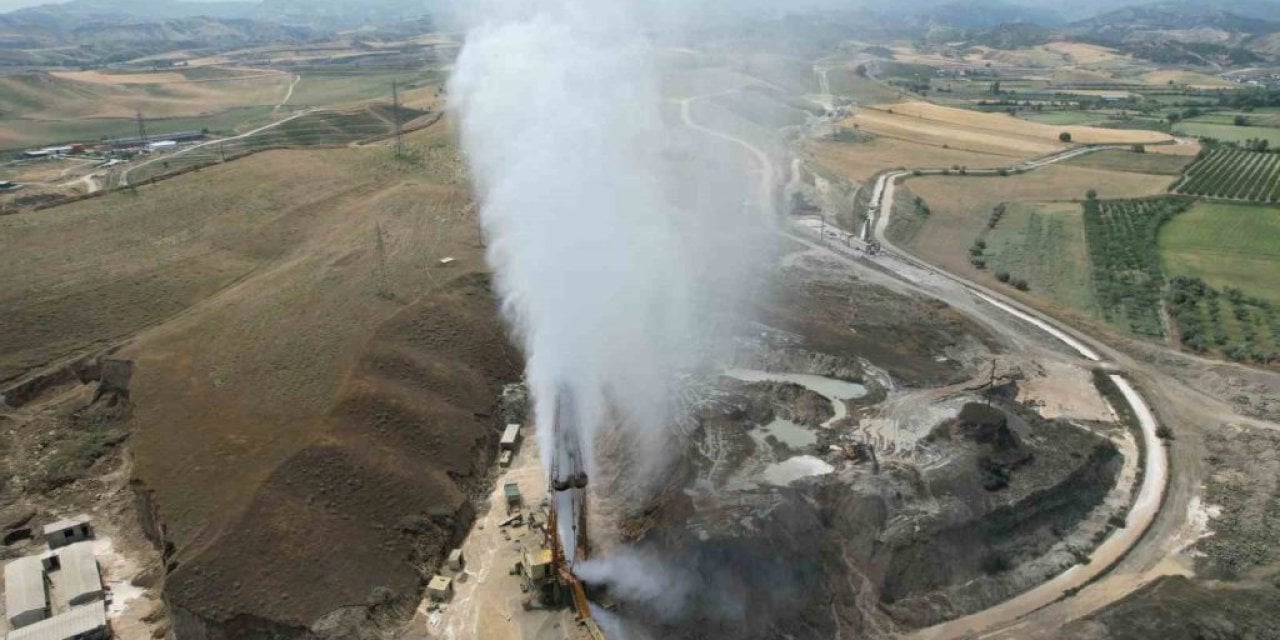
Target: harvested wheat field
[[1083, 53], [860, 161], [308, 375], [1192, 79], [989, 132]]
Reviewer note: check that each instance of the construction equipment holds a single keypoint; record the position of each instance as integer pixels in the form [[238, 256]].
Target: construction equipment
[[568, 482]]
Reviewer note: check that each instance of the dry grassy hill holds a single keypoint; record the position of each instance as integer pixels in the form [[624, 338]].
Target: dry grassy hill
[[311, 404]]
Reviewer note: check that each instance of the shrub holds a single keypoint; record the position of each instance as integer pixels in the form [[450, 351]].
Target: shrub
[[1021, 285], [1065, 136], [1002, 276], [1091, 194]]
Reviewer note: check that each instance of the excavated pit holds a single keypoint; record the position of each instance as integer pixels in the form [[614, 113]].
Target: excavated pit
[[904, 502]]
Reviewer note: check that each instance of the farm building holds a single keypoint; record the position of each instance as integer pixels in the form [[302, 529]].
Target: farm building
[[69, 531], [49, 152], [25, 601], [510, 438], [81, 623], [138, 142]]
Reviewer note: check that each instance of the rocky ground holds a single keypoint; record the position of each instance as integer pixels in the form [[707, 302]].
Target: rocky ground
[[786, 519], [1235, 593]]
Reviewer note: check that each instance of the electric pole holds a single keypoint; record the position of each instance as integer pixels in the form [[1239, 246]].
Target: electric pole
[[991, 386], [384, 290], [142, 130], [395, 117]]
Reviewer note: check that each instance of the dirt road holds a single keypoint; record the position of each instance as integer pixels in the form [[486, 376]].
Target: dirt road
[[124, 175]]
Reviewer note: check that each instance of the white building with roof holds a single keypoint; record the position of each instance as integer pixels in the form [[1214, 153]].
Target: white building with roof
[[68, 531], [74, 577], [25, 600], [58, 595], [81, 623]]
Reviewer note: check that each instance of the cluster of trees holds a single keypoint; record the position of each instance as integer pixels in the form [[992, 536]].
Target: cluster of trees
[[922, 208], [977, 253], [1197, 308], [1122, 237], [996, 214], [1229, 172], [1017, 283]]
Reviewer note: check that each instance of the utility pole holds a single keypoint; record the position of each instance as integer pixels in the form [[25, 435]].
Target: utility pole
[[991, 386], [395, 117], [142, 130], [384, 290]]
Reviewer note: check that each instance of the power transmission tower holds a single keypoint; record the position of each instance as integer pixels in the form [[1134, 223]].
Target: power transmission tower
[[142, 130], [384, 289], [395, 117]]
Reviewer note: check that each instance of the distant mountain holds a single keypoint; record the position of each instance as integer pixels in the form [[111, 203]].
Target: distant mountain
[[1172, 17], [342, 14], [1019, 35], [985, 14], [1185, 32], [1268, 10], [86, 32], [122, 11]]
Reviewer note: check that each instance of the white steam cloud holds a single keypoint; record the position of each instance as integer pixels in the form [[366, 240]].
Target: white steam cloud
[[612, 259]]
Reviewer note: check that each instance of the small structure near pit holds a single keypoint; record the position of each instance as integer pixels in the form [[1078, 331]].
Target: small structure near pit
[[512, 491], [440, 588], [510, 438], [70, 531], [455, 561]]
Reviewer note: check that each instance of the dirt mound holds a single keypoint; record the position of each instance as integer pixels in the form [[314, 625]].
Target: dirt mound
[[382, 492]]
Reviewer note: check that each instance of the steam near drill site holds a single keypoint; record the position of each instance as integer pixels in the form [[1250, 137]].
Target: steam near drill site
[[612, 270]]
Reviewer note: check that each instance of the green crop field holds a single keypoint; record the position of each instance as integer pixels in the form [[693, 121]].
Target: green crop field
[[1074, 117], [1125, 256], [1228, 132], [1227, 245], [1234, 174], [1115, 160], [1044, 244], [318, 89]]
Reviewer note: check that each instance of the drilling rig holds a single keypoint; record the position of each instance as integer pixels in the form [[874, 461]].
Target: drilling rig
[[567, 481]]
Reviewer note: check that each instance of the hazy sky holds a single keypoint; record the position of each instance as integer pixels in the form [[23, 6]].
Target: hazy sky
[[10, 5]]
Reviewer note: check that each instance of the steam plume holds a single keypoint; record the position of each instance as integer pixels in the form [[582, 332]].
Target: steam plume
[[611, 262]]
